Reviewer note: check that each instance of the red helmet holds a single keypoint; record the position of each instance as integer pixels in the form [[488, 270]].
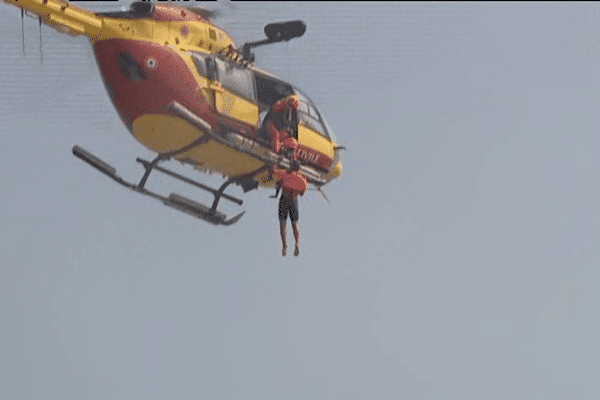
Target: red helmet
[[289, 101], [293, 101]]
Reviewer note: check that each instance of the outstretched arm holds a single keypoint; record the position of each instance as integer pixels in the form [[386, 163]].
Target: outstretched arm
[[278, 188]]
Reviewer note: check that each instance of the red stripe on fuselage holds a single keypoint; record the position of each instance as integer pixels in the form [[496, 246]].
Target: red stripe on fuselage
[[167, 80]]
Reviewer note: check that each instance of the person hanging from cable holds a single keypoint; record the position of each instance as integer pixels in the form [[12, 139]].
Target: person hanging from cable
[[292, 184]]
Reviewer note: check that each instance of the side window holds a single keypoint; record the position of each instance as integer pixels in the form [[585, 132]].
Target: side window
[[312, 123], [313, 112], [204, 65], [309, 116], [236, 79], [303, 107], [200, 64]]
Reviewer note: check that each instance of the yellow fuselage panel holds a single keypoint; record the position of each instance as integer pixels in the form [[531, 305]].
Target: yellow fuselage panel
[[236, 107], [180, 34], [62, 15], [315, 141], [161, 133], [335, 172], [188, 34]]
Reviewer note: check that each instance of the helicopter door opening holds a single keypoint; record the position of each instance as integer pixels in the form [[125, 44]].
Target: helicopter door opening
[[269, 90], [235, 96]]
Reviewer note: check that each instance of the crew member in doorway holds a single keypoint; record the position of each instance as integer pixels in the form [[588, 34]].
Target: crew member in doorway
[[281, 123]]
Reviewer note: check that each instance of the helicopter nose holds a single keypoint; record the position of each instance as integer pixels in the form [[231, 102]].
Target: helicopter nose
[[337, 170], [142, 79]]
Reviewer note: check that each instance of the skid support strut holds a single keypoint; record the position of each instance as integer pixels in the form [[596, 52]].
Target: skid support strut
[[174, 200], [236, 179]]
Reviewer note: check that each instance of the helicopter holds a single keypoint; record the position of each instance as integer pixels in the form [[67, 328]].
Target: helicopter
[[185, 91]]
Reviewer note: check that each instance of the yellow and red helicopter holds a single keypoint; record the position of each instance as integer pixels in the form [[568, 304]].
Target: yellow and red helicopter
[[185, 91]]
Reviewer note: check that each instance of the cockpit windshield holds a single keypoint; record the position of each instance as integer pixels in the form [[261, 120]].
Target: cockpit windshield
[[266, 90], [310, 116], [330, 132]]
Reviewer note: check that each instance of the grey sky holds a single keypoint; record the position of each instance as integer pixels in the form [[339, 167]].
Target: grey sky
[[459, 258]]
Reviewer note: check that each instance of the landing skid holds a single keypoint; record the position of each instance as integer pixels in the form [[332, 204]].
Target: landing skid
[[174, 200]]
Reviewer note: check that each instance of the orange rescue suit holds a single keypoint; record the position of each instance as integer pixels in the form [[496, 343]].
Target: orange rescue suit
[[278, 134]]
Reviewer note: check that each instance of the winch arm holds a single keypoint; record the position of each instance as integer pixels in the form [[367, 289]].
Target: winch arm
[[275, 32]]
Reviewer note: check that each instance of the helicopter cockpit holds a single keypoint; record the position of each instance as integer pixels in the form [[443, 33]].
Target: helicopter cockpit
[[260, 89], [270, 89], [310, 116]]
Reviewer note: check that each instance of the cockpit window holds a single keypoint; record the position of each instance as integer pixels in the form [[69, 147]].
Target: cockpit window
[[236, 79], [303, 107], [205, 65], [200, 63], [313, 124], [329, 130], [309, 116]]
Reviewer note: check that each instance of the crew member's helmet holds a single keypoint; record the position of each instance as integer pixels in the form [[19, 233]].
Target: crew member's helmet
[[288, 102]]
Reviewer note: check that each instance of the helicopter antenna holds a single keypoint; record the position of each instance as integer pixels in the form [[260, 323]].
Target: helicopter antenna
[[23, 29], [323, 193], [41, 55], [320, 190]]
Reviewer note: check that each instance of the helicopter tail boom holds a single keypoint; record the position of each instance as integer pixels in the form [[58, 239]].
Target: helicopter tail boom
[[62, 16]]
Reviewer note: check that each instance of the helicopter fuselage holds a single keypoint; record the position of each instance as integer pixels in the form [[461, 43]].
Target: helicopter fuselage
[[154, 55]]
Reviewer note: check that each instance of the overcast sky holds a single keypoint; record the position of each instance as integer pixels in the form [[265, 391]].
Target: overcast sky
[[458, 259]]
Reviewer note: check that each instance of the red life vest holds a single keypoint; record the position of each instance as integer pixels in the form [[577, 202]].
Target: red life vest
[[292, 182]]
